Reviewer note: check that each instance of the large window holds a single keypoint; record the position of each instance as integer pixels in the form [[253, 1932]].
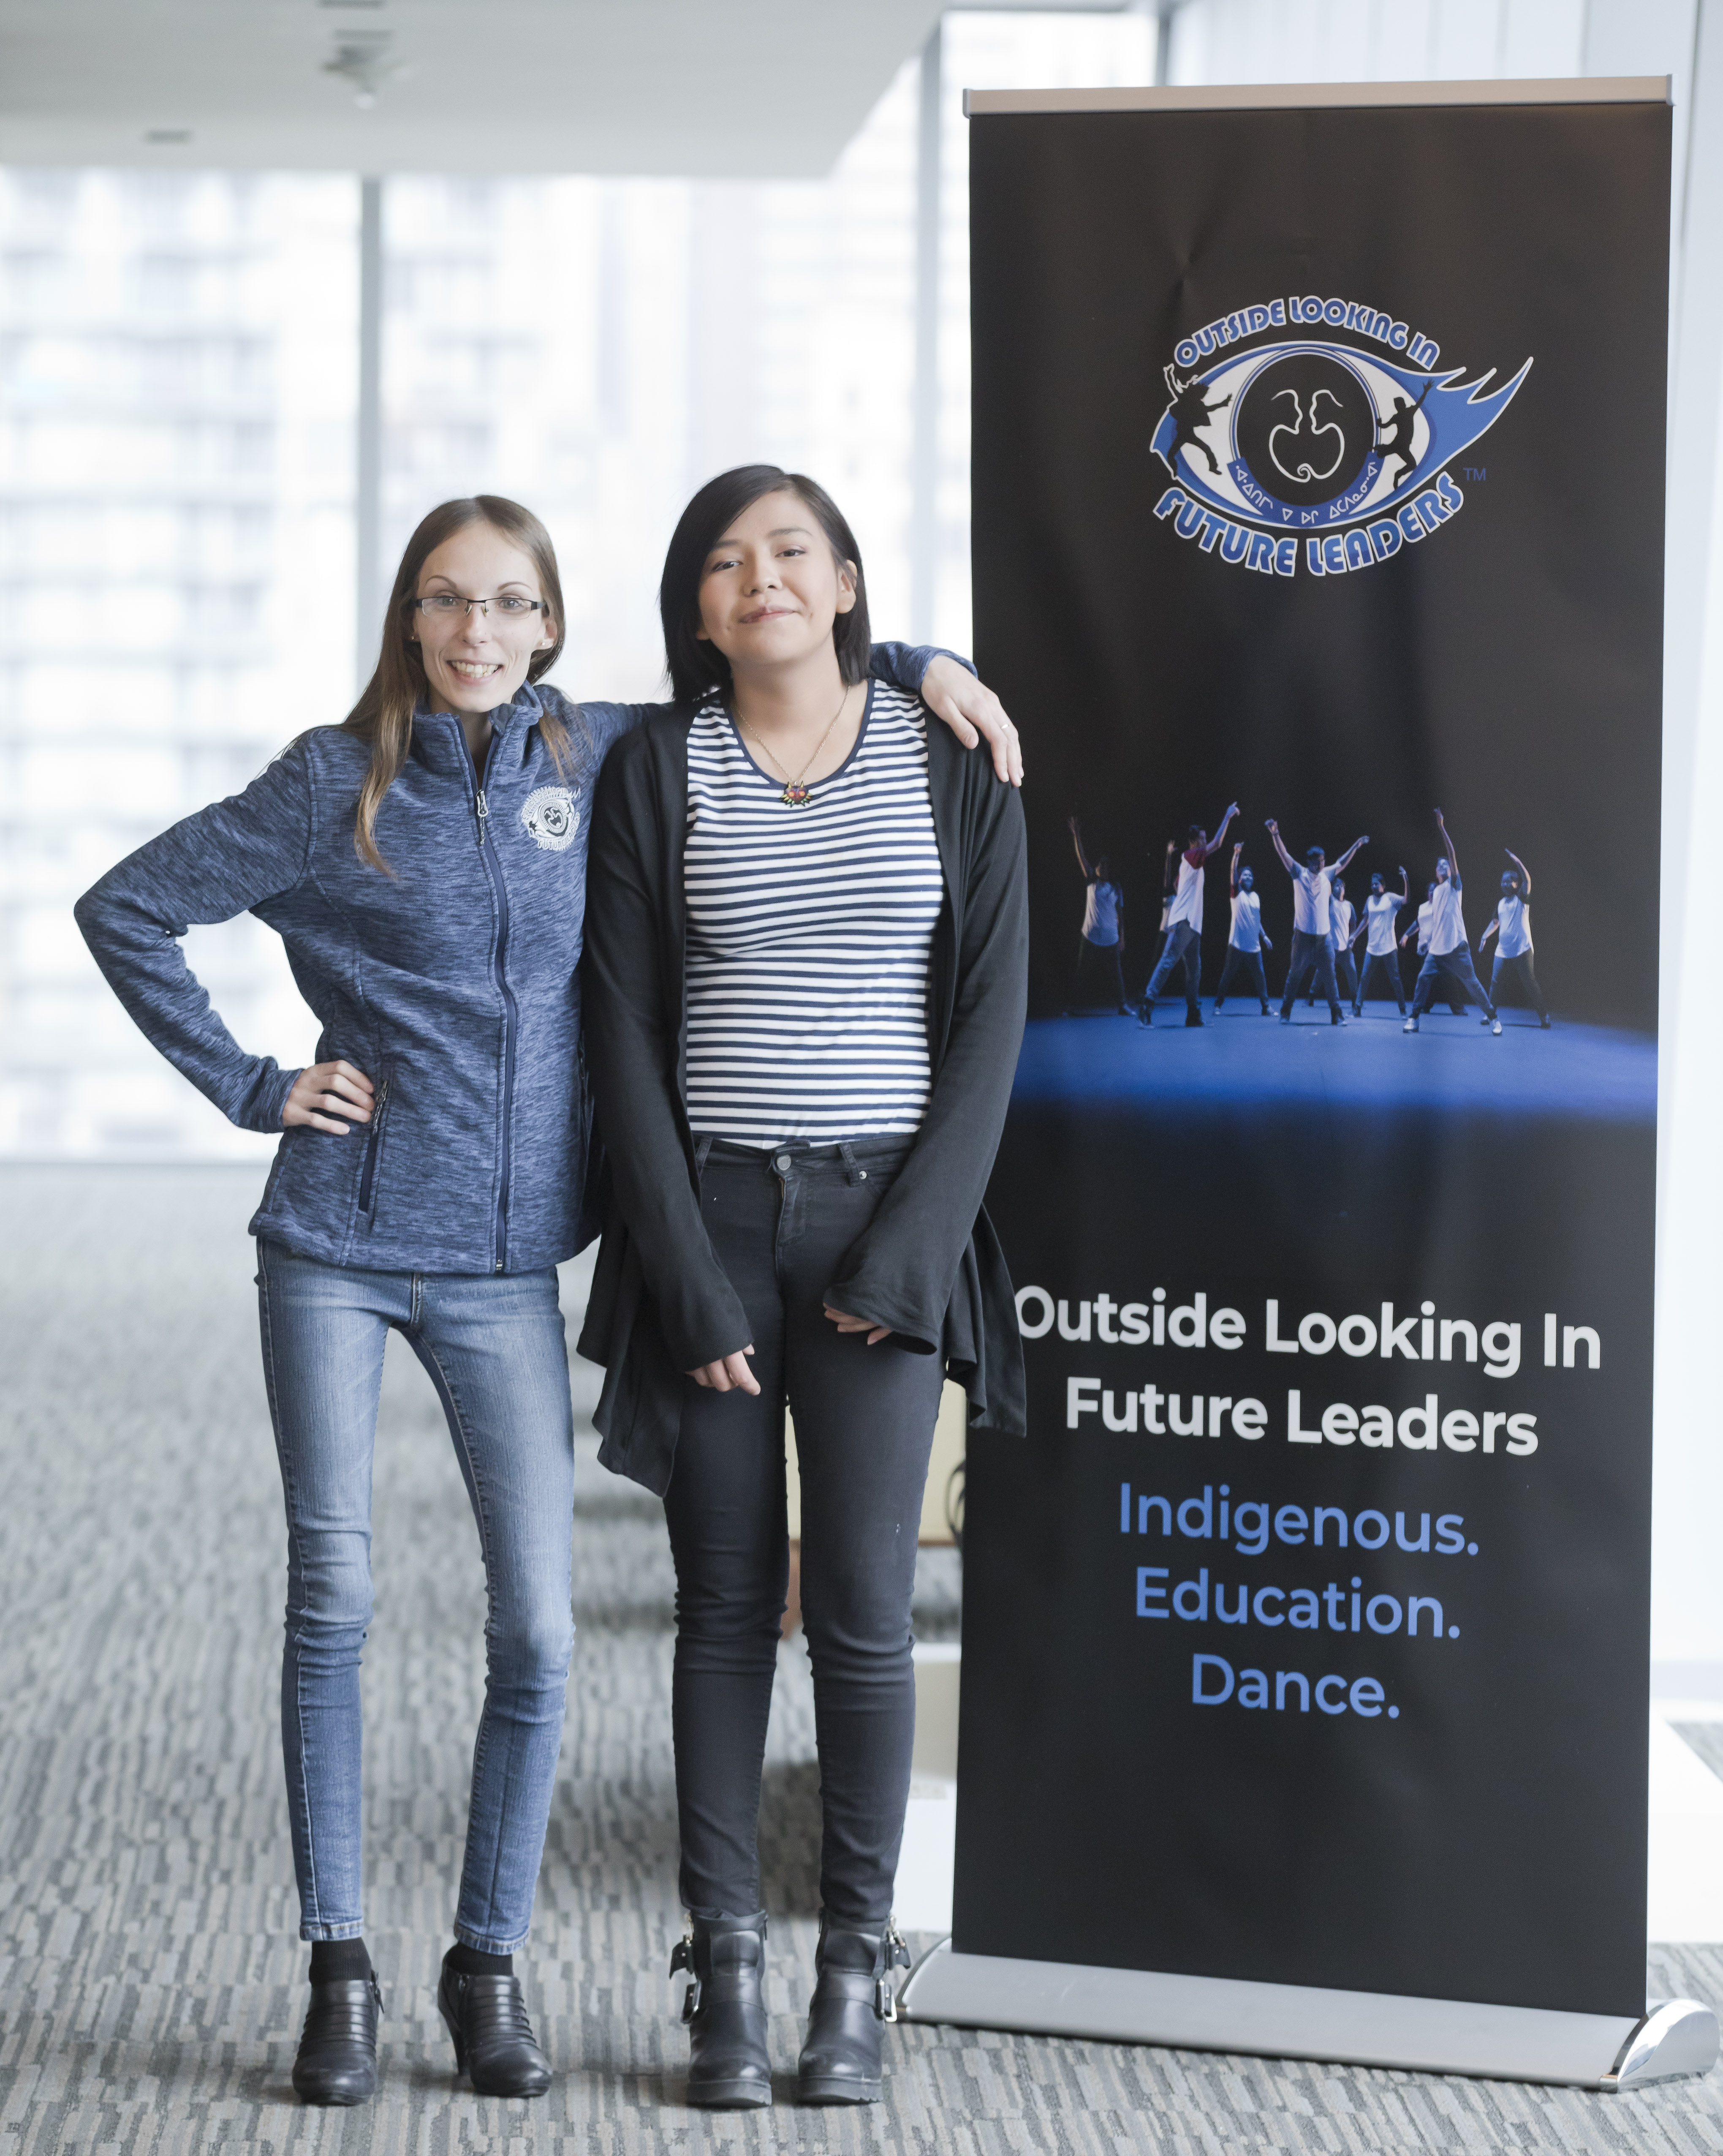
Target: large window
[[177, 395], [178, 385]]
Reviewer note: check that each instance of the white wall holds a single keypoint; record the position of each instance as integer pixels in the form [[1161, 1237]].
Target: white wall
[[1676, 36], [1375, 40]]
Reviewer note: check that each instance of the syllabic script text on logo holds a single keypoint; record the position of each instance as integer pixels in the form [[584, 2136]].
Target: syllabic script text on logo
[[1313, 444]]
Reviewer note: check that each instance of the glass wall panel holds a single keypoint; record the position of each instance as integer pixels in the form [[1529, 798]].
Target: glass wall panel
[[177, 403]]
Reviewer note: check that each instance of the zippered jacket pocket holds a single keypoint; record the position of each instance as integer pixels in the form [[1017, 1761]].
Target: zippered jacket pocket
[[369, 1175]]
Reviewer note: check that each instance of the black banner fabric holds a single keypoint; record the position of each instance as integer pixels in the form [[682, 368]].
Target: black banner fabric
[[1318, 468]]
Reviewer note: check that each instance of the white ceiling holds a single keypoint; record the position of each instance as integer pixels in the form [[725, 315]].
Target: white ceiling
[[713, 87]]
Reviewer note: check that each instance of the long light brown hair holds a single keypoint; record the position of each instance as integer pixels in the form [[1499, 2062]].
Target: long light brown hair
[[384, 715]]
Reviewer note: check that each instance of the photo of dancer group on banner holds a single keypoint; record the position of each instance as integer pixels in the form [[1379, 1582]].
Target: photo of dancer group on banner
[[1336, 950]]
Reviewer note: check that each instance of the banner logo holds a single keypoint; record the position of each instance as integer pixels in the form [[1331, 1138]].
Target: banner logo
[[1316, 437]]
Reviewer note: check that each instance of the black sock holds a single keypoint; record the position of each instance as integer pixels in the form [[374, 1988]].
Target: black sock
[[470, 1961], [335, 1961]]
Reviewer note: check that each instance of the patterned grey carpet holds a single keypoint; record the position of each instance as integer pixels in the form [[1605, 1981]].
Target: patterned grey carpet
[[151, 1979]]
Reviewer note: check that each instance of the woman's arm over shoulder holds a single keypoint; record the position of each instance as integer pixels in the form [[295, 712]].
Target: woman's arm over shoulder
[[594, 729], [945, 683], [953, 691], [603, 723], [210, 867], [905, 666], [632, 1042]]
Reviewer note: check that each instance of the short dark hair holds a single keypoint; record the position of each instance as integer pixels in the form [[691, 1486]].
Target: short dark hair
[[1196, 831], [694, 664]]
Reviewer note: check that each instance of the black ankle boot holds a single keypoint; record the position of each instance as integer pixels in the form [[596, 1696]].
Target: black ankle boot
[[493, 2044], [336, 2061], [729, 2066], [853, 2000]]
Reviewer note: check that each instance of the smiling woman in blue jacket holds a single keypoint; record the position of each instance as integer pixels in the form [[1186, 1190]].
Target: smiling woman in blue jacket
[[424, 863]]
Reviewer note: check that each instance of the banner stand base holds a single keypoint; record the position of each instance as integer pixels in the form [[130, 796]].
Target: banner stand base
[[1285, 2021]]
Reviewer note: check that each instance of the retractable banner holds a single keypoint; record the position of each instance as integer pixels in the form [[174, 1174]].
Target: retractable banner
[[1318, 514]]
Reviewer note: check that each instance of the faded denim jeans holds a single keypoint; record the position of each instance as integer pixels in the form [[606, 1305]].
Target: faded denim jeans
[[493, 1346]]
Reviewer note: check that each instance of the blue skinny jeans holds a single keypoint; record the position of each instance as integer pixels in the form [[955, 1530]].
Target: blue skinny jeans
[[494, 1348]]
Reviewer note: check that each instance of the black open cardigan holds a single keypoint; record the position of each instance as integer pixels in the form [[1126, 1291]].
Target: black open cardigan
[[930, 1265]]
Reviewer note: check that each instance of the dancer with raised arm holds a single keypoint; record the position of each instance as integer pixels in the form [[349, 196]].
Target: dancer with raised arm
[[424, 862], [1247, 942], [1418, 936], [1394, 435], [1449, 955], [1183, 944], [1100, 947], [1190, 412], [801, 1105], [1381, 909], [1312, 893], [1512, 928]]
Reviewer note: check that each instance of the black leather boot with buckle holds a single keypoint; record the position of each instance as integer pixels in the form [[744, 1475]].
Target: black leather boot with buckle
[[853, 2000], [729, 2066]]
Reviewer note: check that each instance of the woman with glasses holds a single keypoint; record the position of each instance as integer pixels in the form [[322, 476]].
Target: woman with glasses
[[807, 950], [424, 862]]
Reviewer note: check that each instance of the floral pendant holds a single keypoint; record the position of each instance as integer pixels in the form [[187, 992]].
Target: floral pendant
[[796, 797]]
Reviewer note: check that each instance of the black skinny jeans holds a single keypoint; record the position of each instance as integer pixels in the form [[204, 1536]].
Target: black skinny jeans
[[865, 1419]]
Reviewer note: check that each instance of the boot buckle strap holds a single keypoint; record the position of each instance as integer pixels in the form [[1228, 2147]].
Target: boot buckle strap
[[896, 1955], [690, 2000]]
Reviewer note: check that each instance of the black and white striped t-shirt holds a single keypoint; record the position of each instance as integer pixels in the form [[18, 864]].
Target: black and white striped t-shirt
[[809, 933]]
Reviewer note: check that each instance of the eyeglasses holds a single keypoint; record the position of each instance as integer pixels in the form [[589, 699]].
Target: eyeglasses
[[510, 605]]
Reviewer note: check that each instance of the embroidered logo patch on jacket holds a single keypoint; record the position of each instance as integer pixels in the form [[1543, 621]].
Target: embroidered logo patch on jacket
[[551, 818]]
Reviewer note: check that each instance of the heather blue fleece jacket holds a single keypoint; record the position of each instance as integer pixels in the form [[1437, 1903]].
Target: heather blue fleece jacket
[[452, 983]]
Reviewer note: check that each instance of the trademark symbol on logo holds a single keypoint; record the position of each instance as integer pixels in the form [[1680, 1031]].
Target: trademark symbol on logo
[[1473, 471]]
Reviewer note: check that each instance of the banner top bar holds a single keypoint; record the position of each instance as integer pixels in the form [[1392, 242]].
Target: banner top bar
[[1567, 90]]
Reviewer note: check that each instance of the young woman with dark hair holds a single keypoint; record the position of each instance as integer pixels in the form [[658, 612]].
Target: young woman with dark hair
[[424, 862], [806, 966]]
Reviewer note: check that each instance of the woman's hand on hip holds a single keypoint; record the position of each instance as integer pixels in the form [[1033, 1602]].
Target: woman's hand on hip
[[845, 1323], [972, 710], [326, 1092], [729, 1373]]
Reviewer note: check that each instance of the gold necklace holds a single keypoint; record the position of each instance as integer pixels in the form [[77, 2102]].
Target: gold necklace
[[795, 794]]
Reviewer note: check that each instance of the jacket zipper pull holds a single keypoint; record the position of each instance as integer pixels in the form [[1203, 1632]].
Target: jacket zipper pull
[[483, 814]]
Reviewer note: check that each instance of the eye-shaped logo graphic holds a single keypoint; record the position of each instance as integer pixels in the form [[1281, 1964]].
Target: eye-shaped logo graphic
[[1310, 433], [551, 818]]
